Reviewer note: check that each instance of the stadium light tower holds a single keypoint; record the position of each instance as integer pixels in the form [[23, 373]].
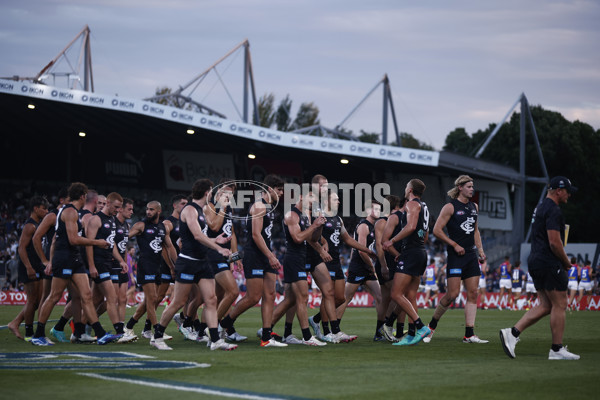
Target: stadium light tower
[[73, 75], [519, 204], [387, 103], [181, 100]]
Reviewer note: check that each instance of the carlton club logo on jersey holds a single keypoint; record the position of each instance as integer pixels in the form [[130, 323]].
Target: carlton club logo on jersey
[[111, 239], [228, 227], [156, 244], [122, 245], [335, 237], [268, 230], [468, 225]]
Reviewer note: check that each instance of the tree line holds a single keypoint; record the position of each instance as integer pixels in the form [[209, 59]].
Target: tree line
[[569, 149]]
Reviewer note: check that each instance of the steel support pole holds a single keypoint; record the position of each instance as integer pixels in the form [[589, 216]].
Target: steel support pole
[[519, 207], [384, 133], [246, 73]]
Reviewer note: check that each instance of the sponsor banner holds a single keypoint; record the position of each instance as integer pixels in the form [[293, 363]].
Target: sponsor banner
[[494, 205], [363, 299], [183, 168], [288, 139], [10, 298], [581, 251]]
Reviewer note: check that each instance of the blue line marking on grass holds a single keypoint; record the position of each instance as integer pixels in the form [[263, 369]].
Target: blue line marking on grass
[[89, 360]]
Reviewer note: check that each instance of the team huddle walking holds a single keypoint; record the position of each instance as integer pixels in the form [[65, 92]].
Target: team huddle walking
[[196, 248]]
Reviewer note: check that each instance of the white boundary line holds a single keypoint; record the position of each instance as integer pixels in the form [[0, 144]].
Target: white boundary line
[[184, 388]]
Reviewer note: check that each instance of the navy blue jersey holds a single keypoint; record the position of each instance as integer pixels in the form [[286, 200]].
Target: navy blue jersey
[[332, 230], [31, 254], [265, 232], [174, 234], [401, 224], [517, 277], [226, 227], [291, 246], [461, 226], [47, 238], [546, 216], [62, 243], [81, 214], [106, 231], [355, 258], [190, 247], [416, 240], [150, 241], [122, 236]]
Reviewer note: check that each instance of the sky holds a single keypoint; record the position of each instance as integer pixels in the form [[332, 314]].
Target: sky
[[450, 63]]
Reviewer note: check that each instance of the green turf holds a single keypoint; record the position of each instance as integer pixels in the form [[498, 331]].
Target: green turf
[[445, 368]]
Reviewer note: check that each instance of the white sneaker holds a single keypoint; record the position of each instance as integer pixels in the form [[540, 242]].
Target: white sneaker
[[316, 328], [84, 338], [562, 354], [236, 337], [331, 338], [291, 339], [345, 338], [222, 345], [273, 335], [128, 336], [472, 339], [177, 319], [203, 339], [272, 343], [222, 332], [188, 333], [160, 344], [147, 334], [167, 337], [509, 342], [87, 338], [388, 332], [313, 341], [427, 338]]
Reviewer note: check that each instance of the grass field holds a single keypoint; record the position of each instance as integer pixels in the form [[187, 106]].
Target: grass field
[[445, 368]]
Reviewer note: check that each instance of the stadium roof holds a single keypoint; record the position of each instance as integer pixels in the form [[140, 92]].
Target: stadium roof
[[60, 114]]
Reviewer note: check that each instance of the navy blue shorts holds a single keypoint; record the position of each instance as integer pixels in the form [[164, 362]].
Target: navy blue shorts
[[335, 270], [549, 277], [295, 268], [465, 266], [391, 264], [256, 265], [165, 274], [24, 278], [147, 272], [360, 273], [217, 262], [189, 270], [65, 265], [104, 268], [412, 262]]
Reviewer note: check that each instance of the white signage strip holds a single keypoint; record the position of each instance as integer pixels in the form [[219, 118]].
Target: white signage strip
[[581, 251], [287, 139]]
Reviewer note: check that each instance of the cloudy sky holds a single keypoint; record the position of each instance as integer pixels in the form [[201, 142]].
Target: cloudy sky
[[450, 63]]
